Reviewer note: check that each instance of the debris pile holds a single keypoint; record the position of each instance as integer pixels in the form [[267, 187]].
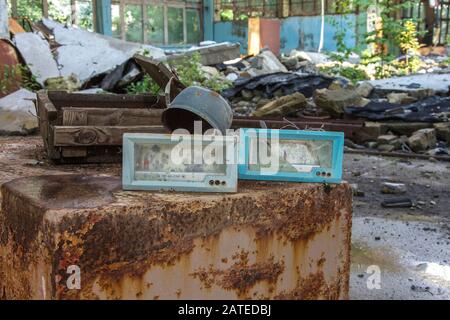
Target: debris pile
[[407, 114]]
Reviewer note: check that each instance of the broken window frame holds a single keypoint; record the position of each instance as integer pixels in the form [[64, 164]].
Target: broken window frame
[[166, 4], [13, 4], [274, 8]]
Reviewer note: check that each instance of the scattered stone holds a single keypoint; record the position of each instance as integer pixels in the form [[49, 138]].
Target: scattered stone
[[386, 139], [356, 191], [282, 106], [400, 98], [371, 144], [313, 57], [242, 104], [386, 147], [210, 72], [335, 85], [397, 203], [334, 101], [262, 103], [363, 102], [69, 83], [247, 94], [290, 62], [393, 188], [364, 89], [443, 131], [422, 139], [232, 77]]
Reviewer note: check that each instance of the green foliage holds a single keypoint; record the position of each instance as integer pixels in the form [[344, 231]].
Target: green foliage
[[146, 85], [228, 15], [341, 23], [354, 74], [11, 74], [190, 74]]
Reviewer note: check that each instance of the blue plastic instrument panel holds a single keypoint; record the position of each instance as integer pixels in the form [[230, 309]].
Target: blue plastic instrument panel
[[149, 163], [291, 155]]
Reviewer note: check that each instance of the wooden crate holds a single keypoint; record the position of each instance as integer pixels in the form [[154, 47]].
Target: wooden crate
[[88, 128]]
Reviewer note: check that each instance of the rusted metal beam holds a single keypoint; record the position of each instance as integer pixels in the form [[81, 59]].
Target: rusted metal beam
[[350, 128]]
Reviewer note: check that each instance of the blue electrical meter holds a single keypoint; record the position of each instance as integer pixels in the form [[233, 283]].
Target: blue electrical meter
[[198, 163], [291, 155]]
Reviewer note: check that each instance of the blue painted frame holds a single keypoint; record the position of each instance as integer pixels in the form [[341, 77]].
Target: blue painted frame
[[128, 166], [319, 174]]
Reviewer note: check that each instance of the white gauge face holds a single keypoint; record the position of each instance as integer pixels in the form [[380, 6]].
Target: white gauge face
[[292, 155], [163, 162]]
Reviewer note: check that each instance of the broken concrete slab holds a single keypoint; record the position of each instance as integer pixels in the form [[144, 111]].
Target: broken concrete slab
[[37, 55], [400, 98], [265, 63], [18, 113], [283, 106], [87, 54], [437, 82], [334, 101], [422, 139], [211, 54]]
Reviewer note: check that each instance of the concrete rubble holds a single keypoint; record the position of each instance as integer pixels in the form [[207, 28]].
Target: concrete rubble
[[18, 113], [283, 106]]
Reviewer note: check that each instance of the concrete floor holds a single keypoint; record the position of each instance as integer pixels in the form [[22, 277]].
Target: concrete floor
[[409, 246]]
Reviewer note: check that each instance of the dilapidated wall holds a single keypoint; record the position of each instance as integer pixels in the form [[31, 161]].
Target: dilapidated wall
[[301, 33]]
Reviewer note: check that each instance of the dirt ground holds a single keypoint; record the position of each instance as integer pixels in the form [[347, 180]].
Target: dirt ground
[[410, 246], [397, 253]]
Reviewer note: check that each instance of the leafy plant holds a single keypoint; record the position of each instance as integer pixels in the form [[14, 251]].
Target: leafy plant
[[146, 85], [354, 74], [14, 73], [189, 72]]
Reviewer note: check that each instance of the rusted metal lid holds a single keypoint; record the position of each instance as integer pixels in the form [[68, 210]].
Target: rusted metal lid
[[198, 104]]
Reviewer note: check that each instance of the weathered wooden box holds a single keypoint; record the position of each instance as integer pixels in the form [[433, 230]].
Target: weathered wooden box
[[88, 128]]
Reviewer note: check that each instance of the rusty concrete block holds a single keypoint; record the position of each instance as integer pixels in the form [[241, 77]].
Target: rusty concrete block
[[270, 240]]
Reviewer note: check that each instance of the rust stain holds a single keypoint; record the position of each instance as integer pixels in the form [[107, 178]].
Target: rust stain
[[240, 276]]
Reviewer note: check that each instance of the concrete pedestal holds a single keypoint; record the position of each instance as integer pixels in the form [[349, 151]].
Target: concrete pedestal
[[270, 240]]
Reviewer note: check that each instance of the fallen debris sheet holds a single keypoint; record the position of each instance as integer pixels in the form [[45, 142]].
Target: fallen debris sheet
[[437, 82], [280, 84], [36, 52], [211, 54], [88, 54], [431, 109]]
